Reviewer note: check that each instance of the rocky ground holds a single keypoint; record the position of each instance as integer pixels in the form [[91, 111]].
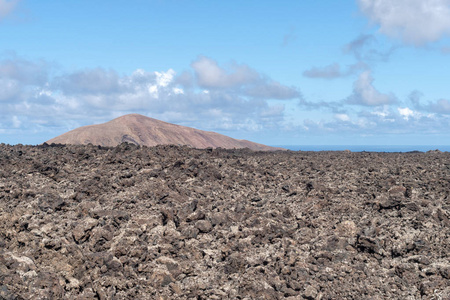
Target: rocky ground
[[83, 222]]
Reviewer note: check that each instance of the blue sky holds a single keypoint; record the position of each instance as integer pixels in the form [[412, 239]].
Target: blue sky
[[276, 72]]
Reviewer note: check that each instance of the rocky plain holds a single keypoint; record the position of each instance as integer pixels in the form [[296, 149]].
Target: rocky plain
[[172, 222]]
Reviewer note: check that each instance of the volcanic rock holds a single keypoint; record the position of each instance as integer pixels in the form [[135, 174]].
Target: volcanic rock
[[159, 222], [141, 130]]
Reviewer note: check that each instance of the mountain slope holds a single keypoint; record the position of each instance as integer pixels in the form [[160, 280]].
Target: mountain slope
[[142, 130]]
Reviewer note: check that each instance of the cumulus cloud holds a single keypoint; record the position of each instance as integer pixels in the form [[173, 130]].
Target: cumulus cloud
[[90, 81], [379, 121], [441, 106], [342, 117], [364, 93], [406, 112], [414, 22], [32, 100], [10, 89], [239, 78], [24, 71], [6, 7], [210, 75], [185, 79], [376, 120], [404, 120], [336, 125], [20, 78], [44, 102]]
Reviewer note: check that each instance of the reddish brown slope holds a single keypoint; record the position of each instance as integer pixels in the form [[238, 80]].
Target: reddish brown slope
[[141, 130]]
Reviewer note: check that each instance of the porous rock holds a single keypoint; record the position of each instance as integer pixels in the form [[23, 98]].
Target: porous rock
[[170, 222]]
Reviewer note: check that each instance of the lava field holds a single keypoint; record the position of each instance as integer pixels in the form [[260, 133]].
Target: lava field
[[172, 222]]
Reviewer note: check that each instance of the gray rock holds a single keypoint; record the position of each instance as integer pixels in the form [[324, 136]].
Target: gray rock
[[203, 226], [310, 293]]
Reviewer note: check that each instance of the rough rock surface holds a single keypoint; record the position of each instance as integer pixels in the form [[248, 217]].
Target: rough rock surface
[[85, 222], [144, 131]]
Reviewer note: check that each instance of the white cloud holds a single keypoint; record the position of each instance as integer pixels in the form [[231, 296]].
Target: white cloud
[[342, 117], [57, 104], [381, 113], [364, 93], [9, 88], [20, 78], [414, 22], [405, 112], [211, 75], [96, 95], [164, 78], [380, 121], [178, 91], [240, 79], [153, 90], [6, 7]]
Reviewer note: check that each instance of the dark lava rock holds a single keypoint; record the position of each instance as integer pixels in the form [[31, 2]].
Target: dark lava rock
[[169, 222]]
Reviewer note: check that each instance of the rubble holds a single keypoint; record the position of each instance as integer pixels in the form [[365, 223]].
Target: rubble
[[172, 222]]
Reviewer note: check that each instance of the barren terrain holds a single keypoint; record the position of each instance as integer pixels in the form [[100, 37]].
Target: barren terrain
[[144, 131], [169, 222]]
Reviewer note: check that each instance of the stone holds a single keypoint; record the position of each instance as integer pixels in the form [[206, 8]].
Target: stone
[[169, 222], [204, 226], [310, 293]]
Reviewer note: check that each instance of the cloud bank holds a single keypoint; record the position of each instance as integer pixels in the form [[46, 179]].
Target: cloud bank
[[207, 96]]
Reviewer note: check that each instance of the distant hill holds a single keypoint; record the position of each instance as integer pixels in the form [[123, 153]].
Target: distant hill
[[145, 131]]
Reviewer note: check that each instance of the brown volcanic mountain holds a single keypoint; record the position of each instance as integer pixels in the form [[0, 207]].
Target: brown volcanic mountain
[[142, 130]]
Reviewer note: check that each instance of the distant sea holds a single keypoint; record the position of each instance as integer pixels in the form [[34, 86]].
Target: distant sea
[[368, 148]]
